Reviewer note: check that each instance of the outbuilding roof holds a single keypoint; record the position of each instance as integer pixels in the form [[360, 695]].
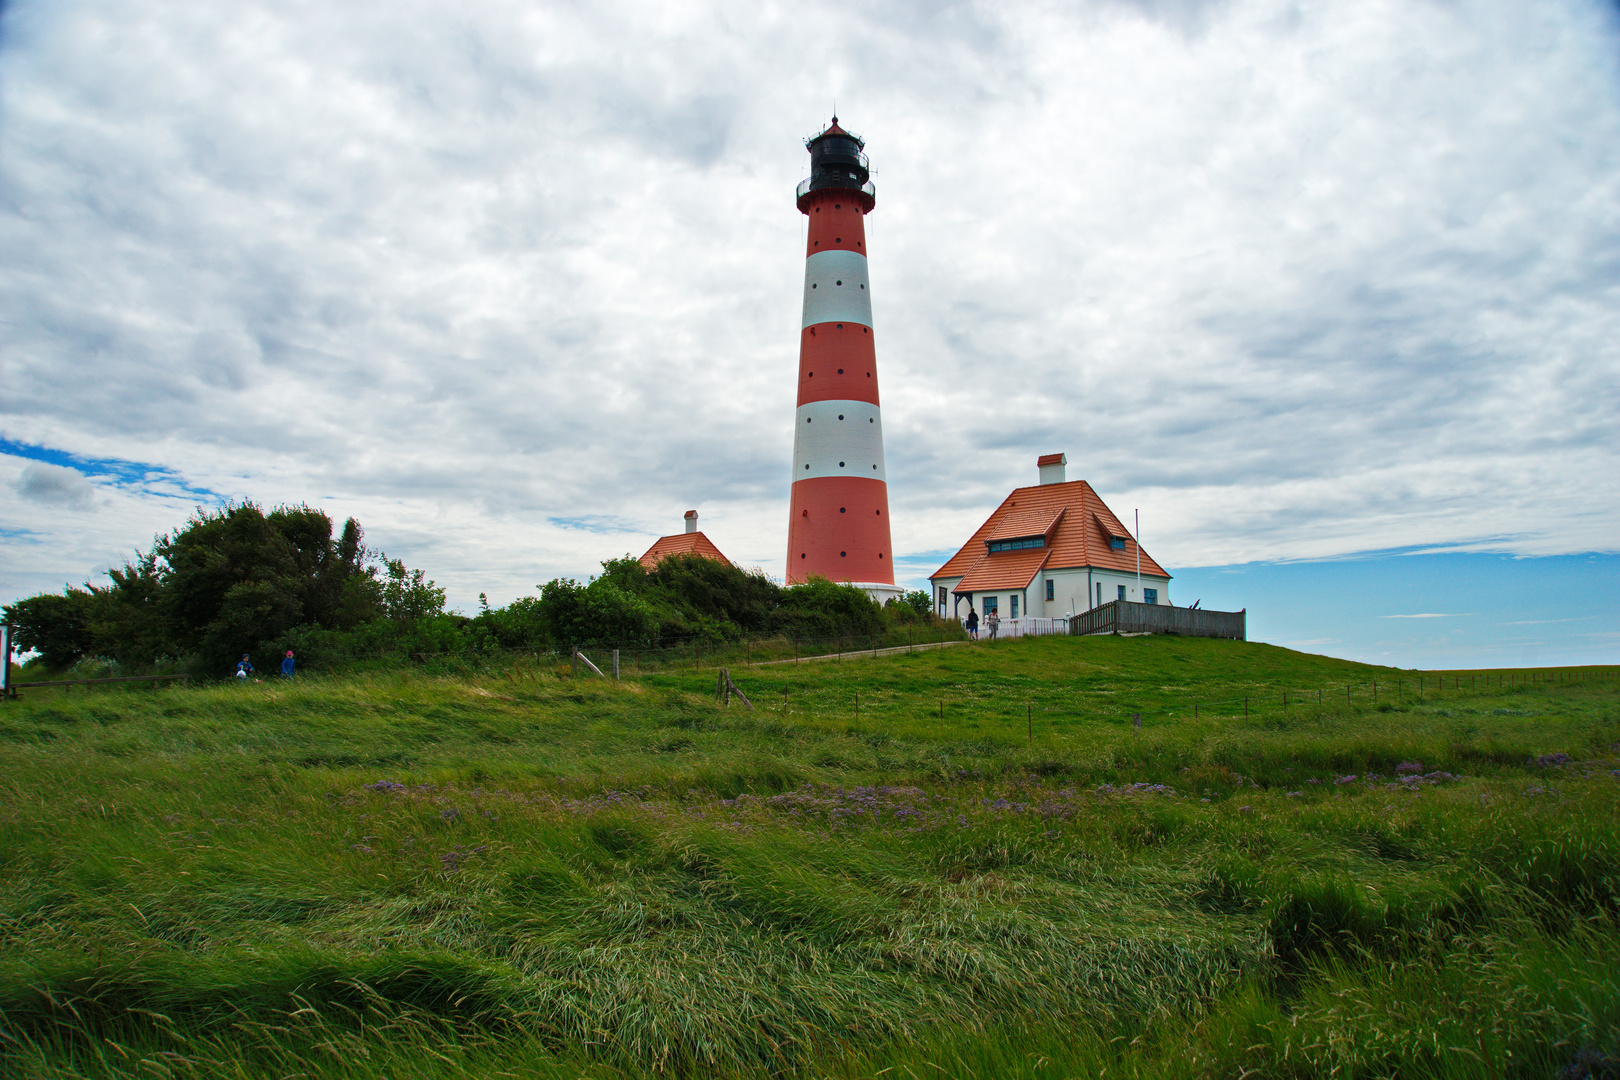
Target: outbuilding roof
[[692, 543], [1080, 530]]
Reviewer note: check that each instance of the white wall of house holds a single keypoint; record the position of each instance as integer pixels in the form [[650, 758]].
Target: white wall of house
[[1070, 588], [1069, 593]]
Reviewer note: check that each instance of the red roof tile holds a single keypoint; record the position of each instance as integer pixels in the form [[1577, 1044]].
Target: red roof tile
[[692, 543], [1050, 459], [1080, 537], [1004, 570], [1026, 523]]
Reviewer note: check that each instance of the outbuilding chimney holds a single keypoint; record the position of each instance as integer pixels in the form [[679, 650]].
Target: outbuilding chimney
[[691, 521], [1051, 466]]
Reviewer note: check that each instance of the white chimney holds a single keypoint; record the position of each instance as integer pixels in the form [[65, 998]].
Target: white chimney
[[1051, 467], [691, 521]]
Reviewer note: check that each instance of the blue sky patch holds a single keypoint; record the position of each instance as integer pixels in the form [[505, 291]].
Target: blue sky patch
[[131, 474]]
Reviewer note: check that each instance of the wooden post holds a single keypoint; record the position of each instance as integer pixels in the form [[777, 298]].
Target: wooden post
[[1029, 717], [942, 708], [720, 686], [1245, 706], [615, 665], [731, 688], [1375, 689], [573, 660]]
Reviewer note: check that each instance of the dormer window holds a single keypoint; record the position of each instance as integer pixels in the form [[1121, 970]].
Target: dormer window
[[1117, 543], [1016, 545]]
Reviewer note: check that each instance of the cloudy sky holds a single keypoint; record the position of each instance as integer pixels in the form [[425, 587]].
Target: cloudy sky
[[518, 283]]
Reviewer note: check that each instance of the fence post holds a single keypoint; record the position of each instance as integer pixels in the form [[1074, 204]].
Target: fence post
[[615, 665], [1030, 718], [5, 661], [573, 660], [1245, 706]]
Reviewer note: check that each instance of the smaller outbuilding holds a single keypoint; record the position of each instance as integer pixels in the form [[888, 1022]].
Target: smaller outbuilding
[[1048, 551], [690, 542]]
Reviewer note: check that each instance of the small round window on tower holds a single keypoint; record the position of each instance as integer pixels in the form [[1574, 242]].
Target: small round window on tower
[[838, 283], [840, 371], [843, 554], [841, 465], [842, 510], [840, 416]]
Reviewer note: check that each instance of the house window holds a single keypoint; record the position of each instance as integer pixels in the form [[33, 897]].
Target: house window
[[944, 597], [1012, 605], [1150, 596], [1099, 594], [1051, 589], [1122, 592], [989, 604], [1117, 543], [1015, 545]]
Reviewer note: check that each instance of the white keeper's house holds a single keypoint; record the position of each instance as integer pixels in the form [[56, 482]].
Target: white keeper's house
[[1048, 551]]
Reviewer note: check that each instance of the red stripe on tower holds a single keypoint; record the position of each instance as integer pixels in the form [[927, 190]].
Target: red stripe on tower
[[838, 524]]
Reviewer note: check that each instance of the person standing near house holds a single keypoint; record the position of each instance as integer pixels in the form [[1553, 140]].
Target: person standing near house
[[972, 624], [993, 620], [287, 666], [244, 667]]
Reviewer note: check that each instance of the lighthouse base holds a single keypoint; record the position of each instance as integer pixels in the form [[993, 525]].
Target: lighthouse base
[[880, 592]]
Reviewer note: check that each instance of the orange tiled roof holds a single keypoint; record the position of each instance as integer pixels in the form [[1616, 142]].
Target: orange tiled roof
[[1004, 570], [1026, 523], [692, 543], [1049, 459], [1080, 537]]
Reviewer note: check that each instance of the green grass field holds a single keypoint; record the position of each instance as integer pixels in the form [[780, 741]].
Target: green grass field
[[965, 862]]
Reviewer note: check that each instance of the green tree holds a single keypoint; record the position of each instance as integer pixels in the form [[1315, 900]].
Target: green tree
[[230, 581], [58, 627]]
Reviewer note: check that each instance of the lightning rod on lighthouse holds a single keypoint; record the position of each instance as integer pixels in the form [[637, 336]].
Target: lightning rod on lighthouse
[[839, 510]]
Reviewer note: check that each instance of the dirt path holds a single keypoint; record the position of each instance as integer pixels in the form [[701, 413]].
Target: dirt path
[[891, 650]]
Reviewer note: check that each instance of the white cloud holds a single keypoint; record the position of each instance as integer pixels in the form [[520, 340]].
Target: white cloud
[[1426, 615], [1295, 278], [54, 485]]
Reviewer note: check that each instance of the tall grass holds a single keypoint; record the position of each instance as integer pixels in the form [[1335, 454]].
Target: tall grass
[[533, 874]]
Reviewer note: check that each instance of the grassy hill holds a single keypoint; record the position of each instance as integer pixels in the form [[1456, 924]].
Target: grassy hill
[[968, 861]]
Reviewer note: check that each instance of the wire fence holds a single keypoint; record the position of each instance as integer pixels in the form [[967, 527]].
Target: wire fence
[[693, 654], [1002, 708]]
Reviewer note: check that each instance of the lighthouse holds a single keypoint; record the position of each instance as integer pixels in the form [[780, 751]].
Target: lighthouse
[[838, 523]]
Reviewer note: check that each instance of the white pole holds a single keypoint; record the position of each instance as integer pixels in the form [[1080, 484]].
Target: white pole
[[1138, 555]]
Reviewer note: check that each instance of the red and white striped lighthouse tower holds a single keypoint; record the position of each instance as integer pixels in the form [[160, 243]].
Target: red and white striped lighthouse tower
[[839, 518]]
